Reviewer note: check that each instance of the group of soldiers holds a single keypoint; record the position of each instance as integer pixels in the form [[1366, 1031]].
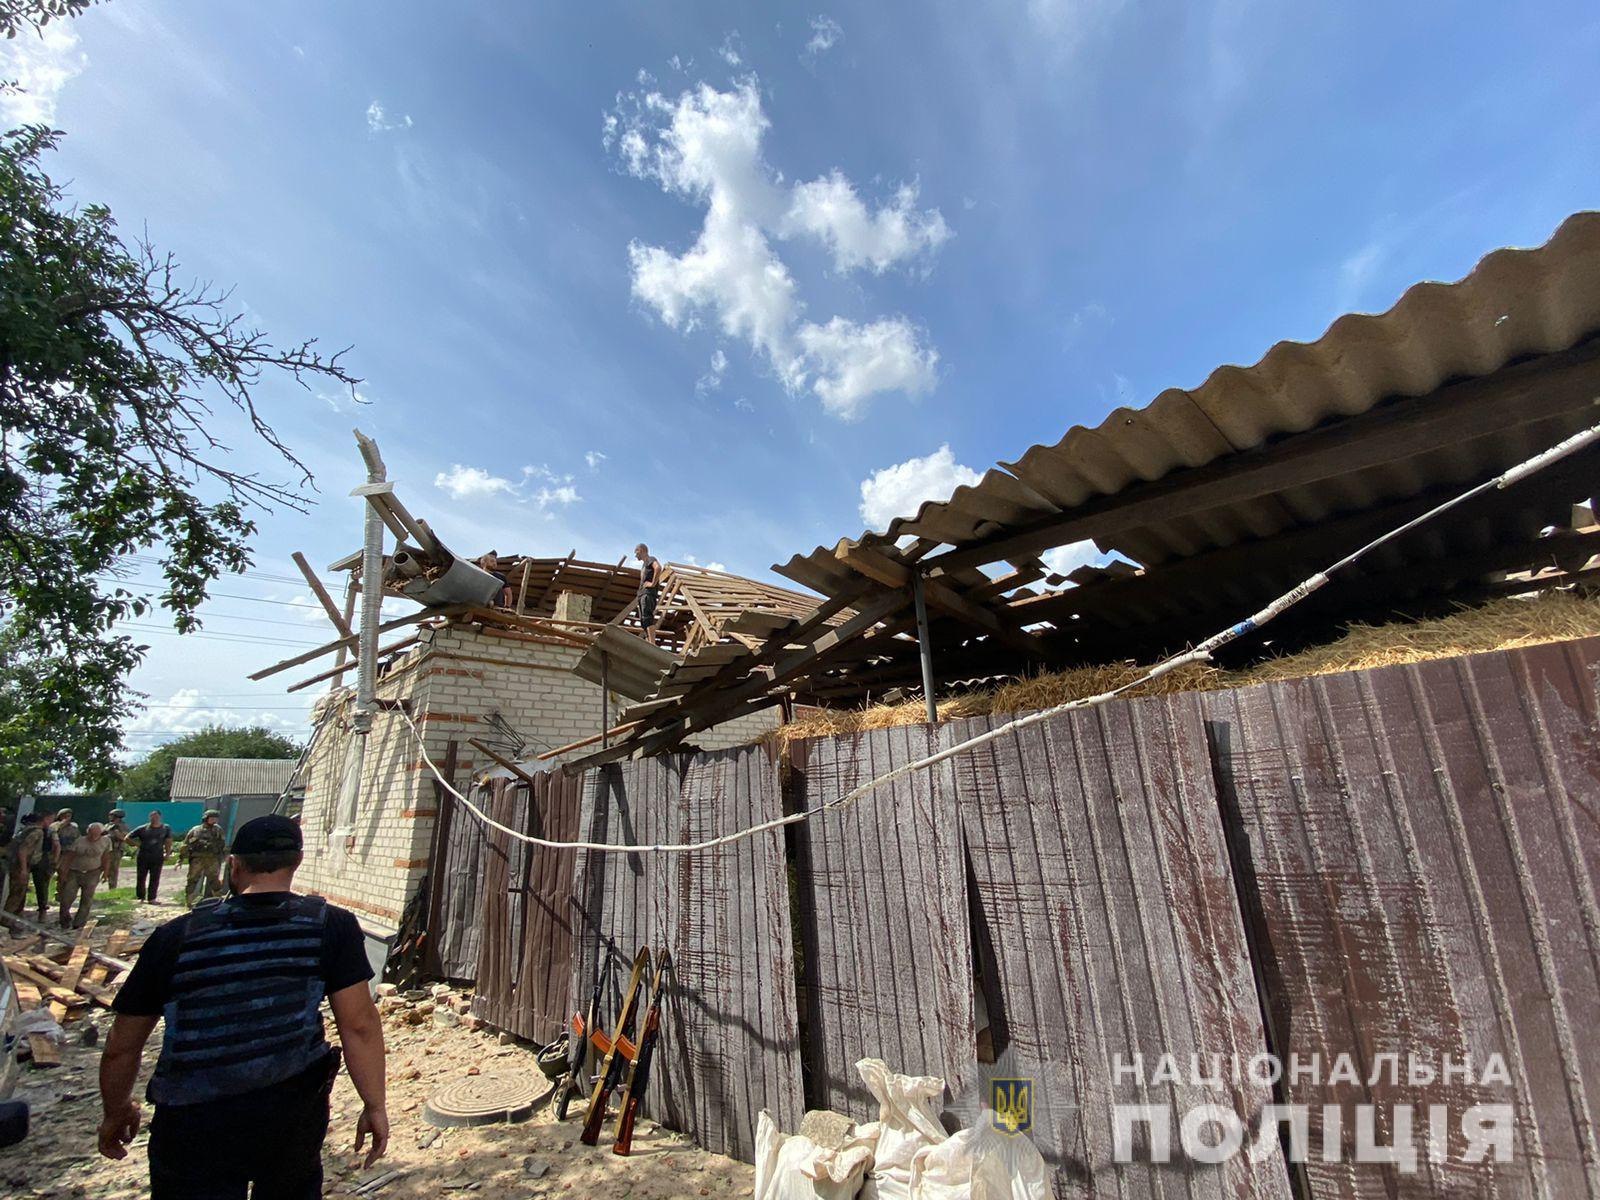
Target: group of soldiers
[[42, 847]]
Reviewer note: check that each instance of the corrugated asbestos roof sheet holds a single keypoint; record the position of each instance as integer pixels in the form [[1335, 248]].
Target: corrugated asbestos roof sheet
[[202, 778], [1514, 304]]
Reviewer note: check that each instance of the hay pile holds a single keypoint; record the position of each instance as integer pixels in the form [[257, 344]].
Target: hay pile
[[1500, 625]]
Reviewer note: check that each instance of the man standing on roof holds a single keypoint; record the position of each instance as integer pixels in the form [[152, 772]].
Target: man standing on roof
[[649, 590], [241, 1086], [490, 562], [204, 846]]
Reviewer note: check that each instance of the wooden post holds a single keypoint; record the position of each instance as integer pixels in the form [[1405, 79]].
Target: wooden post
[[431, 964], [605, 697], [351, 591], [341, 624], [522, 592], [924, 647]]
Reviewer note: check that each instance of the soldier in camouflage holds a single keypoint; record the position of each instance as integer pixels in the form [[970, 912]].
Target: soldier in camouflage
[[26, 848], [117, 830], [204, 846]]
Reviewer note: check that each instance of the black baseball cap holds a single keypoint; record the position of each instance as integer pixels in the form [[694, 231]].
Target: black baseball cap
[[266, 835]]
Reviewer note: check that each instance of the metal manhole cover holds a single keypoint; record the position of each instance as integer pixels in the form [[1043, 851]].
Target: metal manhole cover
[[482, 1100]]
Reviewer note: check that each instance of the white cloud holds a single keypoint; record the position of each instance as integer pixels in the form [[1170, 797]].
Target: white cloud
[[706, 146], [187, 711], [855, 362], [825, 35], [1090, 316], [466, 482], [1063, 560], [744, 405], [41, 65], [379, 121], [829, 210], [543, 471], [711, 381], [594, 458], [563, 495], [898, 491], [692, 561], [730, 50]]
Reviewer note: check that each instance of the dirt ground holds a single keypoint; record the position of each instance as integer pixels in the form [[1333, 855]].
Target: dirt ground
[[536, 1158]]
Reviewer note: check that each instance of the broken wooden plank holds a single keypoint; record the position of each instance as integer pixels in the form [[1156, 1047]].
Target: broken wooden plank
[[28, 995], [75, 965], [453, 610], [340, 669], [321, 593], [43, 1050], [120, 964], [588, 741]]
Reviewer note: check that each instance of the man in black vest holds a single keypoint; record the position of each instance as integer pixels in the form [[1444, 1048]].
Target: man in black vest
[[241, 1086]]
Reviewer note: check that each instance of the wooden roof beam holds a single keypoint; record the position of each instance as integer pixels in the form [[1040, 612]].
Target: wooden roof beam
[[882, 569]]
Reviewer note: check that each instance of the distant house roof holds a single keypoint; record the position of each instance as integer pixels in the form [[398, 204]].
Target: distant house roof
[[202, 778]]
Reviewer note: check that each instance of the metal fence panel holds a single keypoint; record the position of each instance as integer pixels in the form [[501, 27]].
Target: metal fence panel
[[1421, 846], [730, 1041], [1109, 933], [526, 917], [883, 911]]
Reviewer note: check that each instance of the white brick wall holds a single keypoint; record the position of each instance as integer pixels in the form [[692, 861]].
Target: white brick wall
[[454, 681]]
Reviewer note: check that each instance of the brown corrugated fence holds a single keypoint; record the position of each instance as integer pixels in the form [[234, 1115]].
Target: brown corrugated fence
[[1364, 875]]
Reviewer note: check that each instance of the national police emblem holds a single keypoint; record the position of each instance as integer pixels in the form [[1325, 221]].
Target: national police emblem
[[1012, 1102]]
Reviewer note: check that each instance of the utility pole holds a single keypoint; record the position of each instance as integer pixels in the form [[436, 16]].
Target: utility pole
[[342, 839]]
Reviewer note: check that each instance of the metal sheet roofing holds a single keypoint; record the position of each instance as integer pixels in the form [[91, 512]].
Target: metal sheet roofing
[[1514, 304], [202, 778]]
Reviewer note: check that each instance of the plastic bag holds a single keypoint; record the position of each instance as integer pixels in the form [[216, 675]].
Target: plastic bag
[[40, 1021], [980, 1163], [791, 1167], [908, 1124]]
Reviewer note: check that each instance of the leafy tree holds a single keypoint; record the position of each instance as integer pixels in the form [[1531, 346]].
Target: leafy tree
[[19, 16], [151, 777], [113, 371]]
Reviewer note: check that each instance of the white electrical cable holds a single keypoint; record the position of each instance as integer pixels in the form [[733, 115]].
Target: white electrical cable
[[1200, 653]]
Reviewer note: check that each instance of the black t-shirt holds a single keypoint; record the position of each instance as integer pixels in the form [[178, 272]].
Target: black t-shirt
[[151, 840], [149, 984]]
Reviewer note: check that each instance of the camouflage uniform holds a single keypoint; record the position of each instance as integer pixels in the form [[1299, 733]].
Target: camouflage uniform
[[205, 845], [117, 831], [21, 854]]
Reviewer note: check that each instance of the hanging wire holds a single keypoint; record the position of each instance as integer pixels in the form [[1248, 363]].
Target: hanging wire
[[1200, 653]]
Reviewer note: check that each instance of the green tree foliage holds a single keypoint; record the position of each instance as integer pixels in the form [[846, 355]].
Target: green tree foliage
[[114, 375], [150, 777], [22, 16]]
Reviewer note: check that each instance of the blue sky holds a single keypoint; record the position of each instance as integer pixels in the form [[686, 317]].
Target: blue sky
[[696, 274]]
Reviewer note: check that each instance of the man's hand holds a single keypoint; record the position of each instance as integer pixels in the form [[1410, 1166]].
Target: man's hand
[[117, 1129], [373, 1121]]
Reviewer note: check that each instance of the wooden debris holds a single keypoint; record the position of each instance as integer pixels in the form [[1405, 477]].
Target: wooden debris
[[72, 941], [43, 1050], [28, 996], [79, 959]]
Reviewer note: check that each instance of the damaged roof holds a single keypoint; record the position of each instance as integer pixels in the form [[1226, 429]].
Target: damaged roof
[[1223, 495]]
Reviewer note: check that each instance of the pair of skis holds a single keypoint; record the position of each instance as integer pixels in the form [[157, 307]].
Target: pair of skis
[[623, 1054]]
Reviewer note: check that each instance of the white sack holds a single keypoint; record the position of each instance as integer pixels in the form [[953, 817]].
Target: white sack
[[909, 1124], [980, 1164], [790, 1167]]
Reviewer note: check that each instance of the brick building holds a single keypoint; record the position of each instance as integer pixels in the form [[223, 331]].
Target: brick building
[[512, 680]]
